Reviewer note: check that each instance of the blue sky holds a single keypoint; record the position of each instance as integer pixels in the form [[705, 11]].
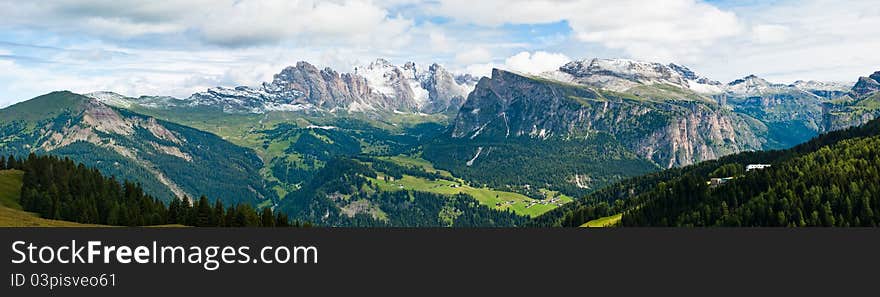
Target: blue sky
[[175, 48]]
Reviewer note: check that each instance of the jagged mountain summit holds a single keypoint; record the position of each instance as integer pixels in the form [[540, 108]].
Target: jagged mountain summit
[[431, 90], [793, 113], [822, 88], [751, 85], [621, 75], [866, 85], [634, 111], [668, 132], [375, 88]]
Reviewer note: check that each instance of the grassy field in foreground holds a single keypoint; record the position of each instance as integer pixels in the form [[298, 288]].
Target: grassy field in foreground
[[515, 202], [11, 214], [10, 188], [608, 221]]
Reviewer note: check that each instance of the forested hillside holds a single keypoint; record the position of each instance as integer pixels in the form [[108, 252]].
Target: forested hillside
[[60, 189], [167, 159], [346, 193], [831, 180], [838, 185]]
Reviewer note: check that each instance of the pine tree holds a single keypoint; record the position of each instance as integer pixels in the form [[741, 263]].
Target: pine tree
[[281, 220], [11, 163], [174, 211], [204, 215], [267, 219], [219, 217], [60, 189], [230, 217]]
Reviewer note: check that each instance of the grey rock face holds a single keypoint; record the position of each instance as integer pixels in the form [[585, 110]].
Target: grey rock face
[[866, 85], [670, 133], [377, 87]]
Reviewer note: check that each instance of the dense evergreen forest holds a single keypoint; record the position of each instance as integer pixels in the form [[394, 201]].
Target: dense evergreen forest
[[831, 180], [341, 194], [61, 189], [837, 185], [551, 163]]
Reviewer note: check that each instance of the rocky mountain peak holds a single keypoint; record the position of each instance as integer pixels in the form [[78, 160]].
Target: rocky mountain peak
[[467, 80], [510, 105], [750, 79], [866, 85], [379, 86], [828, 90], [749, 85], [622, 68], [623, 74], [875, 76], [812, 85]]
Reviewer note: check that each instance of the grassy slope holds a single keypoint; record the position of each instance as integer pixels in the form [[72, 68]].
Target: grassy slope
[[45, 106], [502, 200], [245, 130], [608, 221], [418, 162], [11, 214]]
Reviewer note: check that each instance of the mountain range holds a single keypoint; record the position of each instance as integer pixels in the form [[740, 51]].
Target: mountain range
[[512, 142]]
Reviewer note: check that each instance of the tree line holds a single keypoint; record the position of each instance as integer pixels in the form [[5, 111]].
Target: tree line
[[836, 186], [60, 189], [343, 194], [830, 180]]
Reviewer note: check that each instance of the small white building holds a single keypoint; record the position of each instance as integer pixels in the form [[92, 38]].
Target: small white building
[[751, 167]]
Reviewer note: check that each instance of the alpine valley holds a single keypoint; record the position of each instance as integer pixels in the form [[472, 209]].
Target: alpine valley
[[408, 145]]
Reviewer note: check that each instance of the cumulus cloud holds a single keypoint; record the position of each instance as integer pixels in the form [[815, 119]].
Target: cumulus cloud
[[783, 40], [791, 40], [766, 34], [231, 23], [656, 30], [524, 62], [178, 47], [535, 62], [472, 56], [248, 22]]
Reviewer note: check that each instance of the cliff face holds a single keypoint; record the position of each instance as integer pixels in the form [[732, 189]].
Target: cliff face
[[326, 88], [445, 92], [667, 132], [695, 135], [859, 106], [379, 87]]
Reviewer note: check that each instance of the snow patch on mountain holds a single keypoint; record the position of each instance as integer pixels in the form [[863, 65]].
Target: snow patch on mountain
[[623, 74], [374, 88], [822, 85], [110, 98]]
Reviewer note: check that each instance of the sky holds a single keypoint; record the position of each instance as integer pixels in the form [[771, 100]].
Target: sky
[[176, 48]]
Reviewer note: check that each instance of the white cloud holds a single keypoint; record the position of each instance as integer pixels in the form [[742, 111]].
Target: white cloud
[[125, 28], [766, 34], [164, 47], [535, 62], [223, 22], [439, 41], [524, 62], [654, 30], [475, 55], [814, 39], [250, 22], [784, 40]]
